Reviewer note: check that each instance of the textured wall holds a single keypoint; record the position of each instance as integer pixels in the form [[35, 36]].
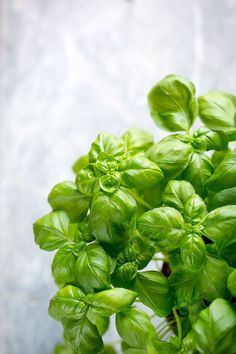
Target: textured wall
[[72, 68]]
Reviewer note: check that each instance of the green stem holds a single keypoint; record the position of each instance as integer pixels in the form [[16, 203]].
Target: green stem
[[178, 322], [139, 200]]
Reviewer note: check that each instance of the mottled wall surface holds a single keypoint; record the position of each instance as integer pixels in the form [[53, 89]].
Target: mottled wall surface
[[69, 69]]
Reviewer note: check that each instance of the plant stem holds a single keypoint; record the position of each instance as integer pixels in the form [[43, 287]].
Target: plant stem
[[178, 322], [139, 200]]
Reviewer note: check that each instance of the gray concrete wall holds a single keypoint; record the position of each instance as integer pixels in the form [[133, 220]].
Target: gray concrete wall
[[72, 68]]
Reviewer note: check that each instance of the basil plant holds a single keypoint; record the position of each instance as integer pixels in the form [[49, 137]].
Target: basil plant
[[147, 230]]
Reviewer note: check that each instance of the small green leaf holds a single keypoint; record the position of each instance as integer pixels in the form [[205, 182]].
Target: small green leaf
[[225, 174], [106, 145], [231, 283], [137, 140], [213, 140], [68, 303], [177, 194], [52, 230], [81, 163], [220, 224], [193, 252], [217, 110], [86, 181], [140, 172], [83, 335], [65, 196], [111, 218], [64, 349], [110, 182], [172, 103], [111, 301], [171, 155], [101, 322], [198, 171], [63, 266], [213, 279], [163, 226], [154, 291], [195, 209], [155, 346], [92, 268], [135, 327], [214, 330]]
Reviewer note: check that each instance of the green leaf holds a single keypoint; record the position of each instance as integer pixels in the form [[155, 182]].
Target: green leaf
[[162, 226], [140, 172], [86, 181], [137, 140], [101, 322], [111, 218], [109, 349], [184, 287], [52, 230], [135, 327], [155, 346], [231, 283], [217, 110], [134, 351], [222, 198], [92, 268], [195, 209], [106, 145], [65, 196], [177, 193], [220, 224], [214, 330], [218, 156], [81, 163], [110, 182], [111, 301], [213, 140], [154, 291], [68, 303], [63, 266], [225, 174], [83, 335], [198, 171], [193, 252], [171, 155], [172, 103], [124, 274], [63, 349], [213, 279]]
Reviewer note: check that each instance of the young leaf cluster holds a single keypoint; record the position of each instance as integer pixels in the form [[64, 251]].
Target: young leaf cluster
[[133, 199]]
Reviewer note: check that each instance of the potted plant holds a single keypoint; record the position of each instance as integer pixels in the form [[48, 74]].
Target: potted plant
[[133, 202]]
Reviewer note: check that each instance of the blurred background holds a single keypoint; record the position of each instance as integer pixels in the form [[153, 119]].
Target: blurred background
[[70, 69]]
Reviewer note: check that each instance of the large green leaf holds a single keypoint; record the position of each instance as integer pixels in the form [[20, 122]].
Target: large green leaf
[[222, 198], [65, 196], [137, 140], [198, 171], [52, 230], [112, 218], [171, 155], [163, 226], [81, 163], [140, 172], [106, 145], [172, 103], [101, 322], [231, 283], [92, 268], [155, 346], [83, 335], [177, 193], [220, 224], [154, 291], [214, 331], [68, 304], [217, 110], [87, 182], [111, 301], [213, 279], [135, 327]]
